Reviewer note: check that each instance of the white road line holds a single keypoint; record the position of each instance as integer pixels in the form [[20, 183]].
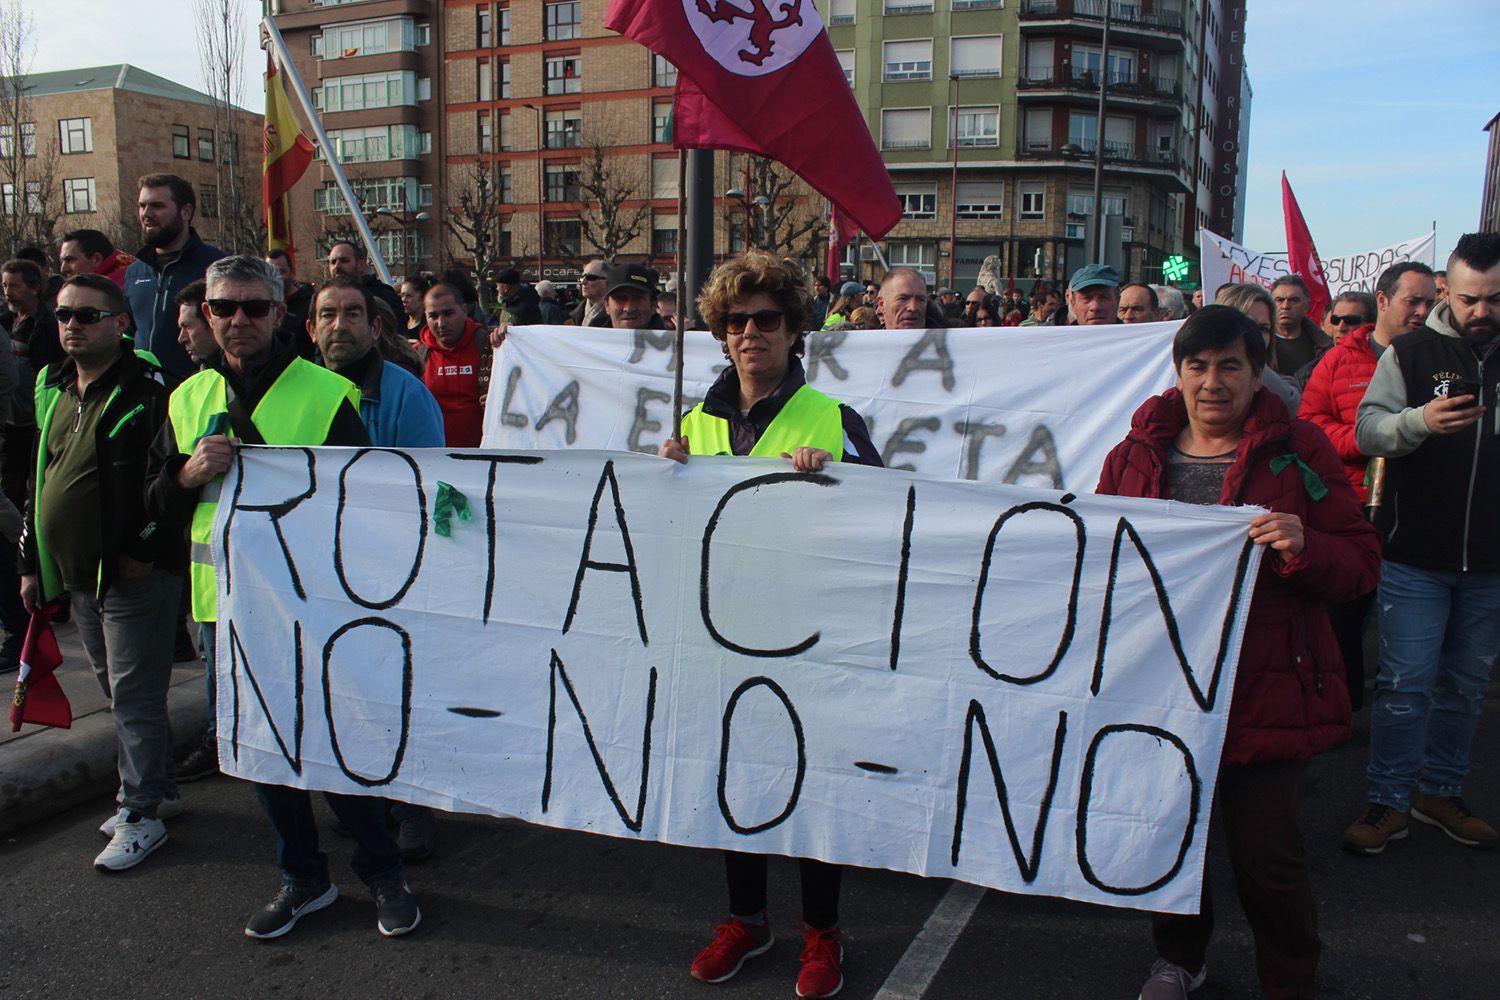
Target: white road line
[[925, 955]]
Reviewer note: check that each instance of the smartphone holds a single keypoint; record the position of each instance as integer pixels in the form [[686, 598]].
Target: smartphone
[[1464, 387]]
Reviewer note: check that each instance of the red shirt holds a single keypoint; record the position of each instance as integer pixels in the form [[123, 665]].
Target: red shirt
[[452, 374]]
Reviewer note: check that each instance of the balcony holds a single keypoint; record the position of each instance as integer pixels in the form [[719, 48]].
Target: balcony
[[1130, 18], [1156, 89], [1117, 156], [978, 4], [906, 144]]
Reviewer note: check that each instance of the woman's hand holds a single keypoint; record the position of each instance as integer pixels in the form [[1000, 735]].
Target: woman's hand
[[807, 459], [675, 448]]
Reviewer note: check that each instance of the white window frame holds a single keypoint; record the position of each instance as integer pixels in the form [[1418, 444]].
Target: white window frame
[[75, 135], [1033, 195], [72, 188], [887, 117], [981, 72], [566, 84], [918, 201], [981, 200], [973, 112], [906, 63]]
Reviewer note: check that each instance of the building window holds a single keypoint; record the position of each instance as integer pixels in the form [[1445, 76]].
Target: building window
[[918, 255], [486, 135], [375, 143], [505, 185], [841, 12], [206, 144], [975, 56], [918, 201], [422, 34], [908, 6], [563, 21], [182, 140], [910, 59], [484, 80], [34, 204], [368, 38], [564, 74], [663, 73], [504, 79], [208, 201], [1038, 130], [980, 200], [482, 26], [371, 90], [504, 127], [664, 177], [76, 135], [906, 128], [381, 194], [978, 127], [564, 129], [664, 236], [563, 237], [846, 63], [503, 14], [661, 122], [78, 194], [1033, 200], [28, 140], [562, 182]]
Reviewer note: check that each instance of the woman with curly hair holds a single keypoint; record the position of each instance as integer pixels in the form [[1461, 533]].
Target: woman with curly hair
[[761, 405]]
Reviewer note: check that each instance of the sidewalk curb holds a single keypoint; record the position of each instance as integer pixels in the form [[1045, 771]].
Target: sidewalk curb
[[48, 772]]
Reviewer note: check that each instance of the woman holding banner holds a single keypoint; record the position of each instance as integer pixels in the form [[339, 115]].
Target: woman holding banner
[[756, 306]]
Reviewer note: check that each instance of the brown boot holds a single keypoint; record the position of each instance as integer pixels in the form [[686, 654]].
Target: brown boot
[[1377, 827], [1449, 814]]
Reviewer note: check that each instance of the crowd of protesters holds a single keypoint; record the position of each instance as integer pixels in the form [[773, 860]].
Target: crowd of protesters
[[1369, 434]]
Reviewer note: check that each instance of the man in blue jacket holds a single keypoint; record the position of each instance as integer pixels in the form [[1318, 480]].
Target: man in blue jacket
[[173, 258]]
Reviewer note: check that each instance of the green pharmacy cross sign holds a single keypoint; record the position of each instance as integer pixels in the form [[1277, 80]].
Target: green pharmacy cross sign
[[1176, 268]]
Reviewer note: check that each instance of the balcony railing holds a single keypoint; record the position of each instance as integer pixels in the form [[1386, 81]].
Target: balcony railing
[[1116, 153], [1125, 15], [1123, 84], [908, 6], [906, 144], [840, 20], [978, 4]]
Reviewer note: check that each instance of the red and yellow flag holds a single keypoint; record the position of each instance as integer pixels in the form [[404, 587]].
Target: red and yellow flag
[[286, 155]]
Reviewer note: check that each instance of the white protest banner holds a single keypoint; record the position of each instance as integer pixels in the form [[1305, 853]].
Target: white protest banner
[[1002, 685], [1035, 406], [1225, 261]]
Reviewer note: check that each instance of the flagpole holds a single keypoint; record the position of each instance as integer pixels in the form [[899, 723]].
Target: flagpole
[[284, 61], [683, 310]]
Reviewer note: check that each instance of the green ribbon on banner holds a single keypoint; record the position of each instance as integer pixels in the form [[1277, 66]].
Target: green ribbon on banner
[[449, 502]]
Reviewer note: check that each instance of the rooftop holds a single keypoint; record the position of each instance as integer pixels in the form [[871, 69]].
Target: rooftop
[[120, 76]]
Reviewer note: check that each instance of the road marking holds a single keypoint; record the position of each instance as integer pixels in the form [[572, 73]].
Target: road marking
[[925, 955]]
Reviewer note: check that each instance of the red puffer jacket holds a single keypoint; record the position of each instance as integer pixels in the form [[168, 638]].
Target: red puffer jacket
[[1290, 698], [1332, 396]]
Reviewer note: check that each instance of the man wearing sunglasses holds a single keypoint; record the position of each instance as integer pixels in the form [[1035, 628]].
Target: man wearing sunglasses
[[260, 392], [591, 287], [87, 534]]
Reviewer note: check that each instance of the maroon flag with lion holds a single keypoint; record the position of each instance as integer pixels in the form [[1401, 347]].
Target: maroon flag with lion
[[761, 77]]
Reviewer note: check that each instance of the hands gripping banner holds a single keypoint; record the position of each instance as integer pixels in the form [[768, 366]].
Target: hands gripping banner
[[1012, 687]]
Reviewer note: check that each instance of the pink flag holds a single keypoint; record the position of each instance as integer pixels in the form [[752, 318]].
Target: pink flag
[[762, 78], [39, 698], [1302, 256]]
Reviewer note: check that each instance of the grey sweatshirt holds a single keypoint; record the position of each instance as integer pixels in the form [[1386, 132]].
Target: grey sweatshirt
[[1385, 425]]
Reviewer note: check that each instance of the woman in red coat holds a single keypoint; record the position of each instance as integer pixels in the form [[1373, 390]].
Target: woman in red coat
[[1220, 438]]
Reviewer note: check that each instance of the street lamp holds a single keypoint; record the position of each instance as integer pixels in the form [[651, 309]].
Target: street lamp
[[760, 201], [541, 169]]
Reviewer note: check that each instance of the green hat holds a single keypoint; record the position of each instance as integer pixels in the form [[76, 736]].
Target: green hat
[[1092, 275]]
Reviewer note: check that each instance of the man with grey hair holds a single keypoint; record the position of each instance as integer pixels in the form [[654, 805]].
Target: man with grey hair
[[552, 312], [591, 285], [901, 302], [259, 392], [1172, 304]]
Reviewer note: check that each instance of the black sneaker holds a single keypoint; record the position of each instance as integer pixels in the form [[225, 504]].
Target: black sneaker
[[417, 836], [202, 762], [396, 910], [281, 914]]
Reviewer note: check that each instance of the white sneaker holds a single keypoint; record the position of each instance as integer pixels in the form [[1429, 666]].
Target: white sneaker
[[135, 837], [166, 809]]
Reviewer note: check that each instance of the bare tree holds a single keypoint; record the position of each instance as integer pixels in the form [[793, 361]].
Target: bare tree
[[606, 223], [221, 47], [783, 218], [473, 217], [29, 197]]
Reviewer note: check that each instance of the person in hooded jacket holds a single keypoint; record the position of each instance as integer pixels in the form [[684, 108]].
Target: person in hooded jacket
[[1219, 437], [455, 368]]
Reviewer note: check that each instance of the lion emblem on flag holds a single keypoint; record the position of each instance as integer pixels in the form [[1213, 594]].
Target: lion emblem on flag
[[754, 37]]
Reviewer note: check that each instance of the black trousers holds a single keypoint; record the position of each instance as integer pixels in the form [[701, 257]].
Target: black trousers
[[820, 888]]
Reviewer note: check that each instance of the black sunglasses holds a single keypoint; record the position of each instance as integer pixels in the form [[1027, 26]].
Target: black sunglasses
[[765, 320], [593, 277], [1349, 319], [88, 317], [225, 308]]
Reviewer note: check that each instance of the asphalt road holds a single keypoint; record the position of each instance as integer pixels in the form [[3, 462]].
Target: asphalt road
[[517, 911]]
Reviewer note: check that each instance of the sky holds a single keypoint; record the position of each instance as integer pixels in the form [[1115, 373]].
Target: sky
[[1374, 108]]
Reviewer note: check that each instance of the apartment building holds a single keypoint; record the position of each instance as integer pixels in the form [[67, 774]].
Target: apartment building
[[1489, 200], [375, 72], [986, 112], [87, 135]]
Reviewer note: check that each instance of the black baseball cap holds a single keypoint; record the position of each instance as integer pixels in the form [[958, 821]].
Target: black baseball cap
[[637, 276]]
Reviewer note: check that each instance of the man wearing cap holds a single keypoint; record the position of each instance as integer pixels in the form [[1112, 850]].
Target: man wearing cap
[[520, 304], [630, 299], [1094, 295], [953, 309]]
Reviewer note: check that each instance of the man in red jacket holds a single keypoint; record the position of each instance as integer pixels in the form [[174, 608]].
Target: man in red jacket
[[1220, 438], [1403, 297], [454, 368]]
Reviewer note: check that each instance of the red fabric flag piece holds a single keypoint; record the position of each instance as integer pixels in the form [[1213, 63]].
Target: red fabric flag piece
[[761, 77], [840, 232], [39, 698], [1302, 256]]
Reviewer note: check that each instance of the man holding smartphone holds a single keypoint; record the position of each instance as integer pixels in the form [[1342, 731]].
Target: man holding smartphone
[[1430, 410]]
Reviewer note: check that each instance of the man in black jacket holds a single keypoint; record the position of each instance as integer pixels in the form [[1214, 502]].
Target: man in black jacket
[[352, 261], [173, 258], [87, 534]]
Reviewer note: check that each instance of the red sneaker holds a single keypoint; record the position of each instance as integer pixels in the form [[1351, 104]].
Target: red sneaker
[[822, 972], [734, 941]]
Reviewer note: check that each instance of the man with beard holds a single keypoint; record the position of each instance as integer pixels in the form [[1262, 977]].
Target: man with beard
[[1430, 410], [173, 258], [299, 295]]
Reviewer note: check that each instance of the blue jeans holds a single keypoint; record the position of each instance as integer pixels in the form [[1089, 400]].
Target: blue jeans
[[1439, 635], [376, 856]]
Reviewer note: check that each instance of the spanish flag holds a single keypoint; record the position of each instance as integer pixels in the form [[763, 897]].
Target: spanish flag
[[287, 153]]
